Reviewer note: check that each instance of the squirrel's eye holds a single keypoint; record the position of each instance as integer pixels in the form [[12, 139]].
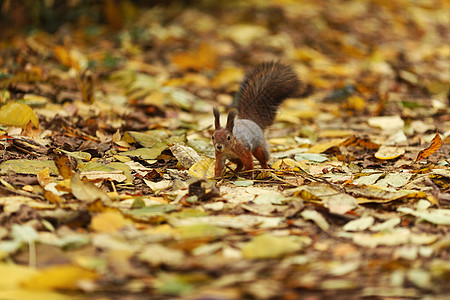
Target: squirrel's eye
[[212, 137], [229, 137]]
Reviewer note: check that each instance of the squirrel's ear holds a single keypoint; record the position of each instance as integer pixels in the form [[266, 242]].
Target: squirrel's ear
[[230, 120], [216, 118]]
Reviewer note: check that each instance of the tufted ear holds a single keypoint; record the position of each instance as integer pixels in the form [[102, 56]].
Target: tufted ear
[[216, 118], [230, 120]]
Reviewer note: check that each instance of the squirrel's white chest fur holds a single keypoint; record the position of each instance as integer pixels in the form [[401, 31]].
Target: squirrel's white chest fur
[[250, 135]]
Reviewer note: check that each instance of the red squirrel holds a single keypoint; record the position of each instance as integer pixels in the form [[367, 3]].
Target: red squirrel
[[260, 94]]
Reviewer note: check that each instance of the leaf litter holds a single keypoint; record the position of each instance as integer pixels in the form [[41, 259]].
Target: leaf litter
[[106, 164]]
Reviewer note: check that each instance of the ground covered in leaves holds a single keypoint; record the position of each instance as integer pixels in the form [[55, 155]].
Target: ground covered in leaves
[[106, 162]]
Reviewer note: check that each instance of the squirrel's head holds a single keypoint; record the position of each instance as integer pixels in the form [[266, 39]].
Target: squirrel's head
[[223, 138]]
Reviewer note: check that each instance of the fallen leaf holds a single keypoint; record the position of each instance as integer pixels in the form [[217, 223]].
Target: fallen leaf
[[376, 194], [245, 34], [389, 152], [204, 57], [322, 147], [387, 123], [85, 190], [238, 222], [18, 114], [11, 275], [336, 202], [116, 175], [33, 294], [147, 153], [270, 246], [435, 216], [392, 238], [386, 225], [13, 203], [108, 221], [316, 218], [25, 166], [243, 182], [227, 76], [335, 133], [146, 140], [185, 155], [203, 168], [313, 157], [436, 144], [360, 224], [59, 277], [157, 255]]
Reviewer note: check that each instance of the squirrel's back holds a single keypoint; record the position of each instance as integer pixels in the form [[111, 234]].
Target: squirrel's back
[[263, 90]]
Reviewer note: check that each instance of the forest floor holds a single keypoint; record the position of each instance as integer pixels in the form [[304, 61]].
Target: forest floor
[[107, 163]]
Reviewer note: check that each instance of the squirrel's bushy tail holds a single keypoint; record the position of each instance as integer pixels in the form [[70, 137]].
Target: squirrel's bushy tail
[[263, 90]]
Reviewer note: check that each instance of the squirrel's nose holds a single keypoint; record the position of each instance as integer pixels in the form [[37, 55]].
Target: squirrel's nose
[[219, 147]]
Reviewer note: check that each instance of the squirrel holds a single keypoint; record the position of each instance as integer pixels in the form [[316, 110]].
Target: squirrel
[[257, 102]]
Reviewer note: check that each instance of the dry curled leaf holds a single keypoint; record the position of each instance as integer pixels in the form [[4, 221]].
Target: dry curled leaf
[[436, 144], [63, 164]]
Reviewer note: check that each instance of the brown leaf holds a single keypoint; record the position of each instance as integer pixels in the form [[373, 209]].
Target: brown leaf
[[63, 164], [363, 142], [87, 86], [436, 143]]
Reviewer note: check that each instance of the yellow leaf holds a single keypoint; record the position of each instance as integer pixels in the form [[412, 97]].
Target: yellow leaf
[[320, 148], [228, 76], [356, 103], [335, 133], [12, 275], [62, 55], [108, 221], [288, 164], [43, 177], [34, 295], [52, 197], [189, 79], [205, 57], [18, 114], [203, 168], [70, 58], [156, 98], [36, 99], [245, 34], [63, 185], [59, 277]]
